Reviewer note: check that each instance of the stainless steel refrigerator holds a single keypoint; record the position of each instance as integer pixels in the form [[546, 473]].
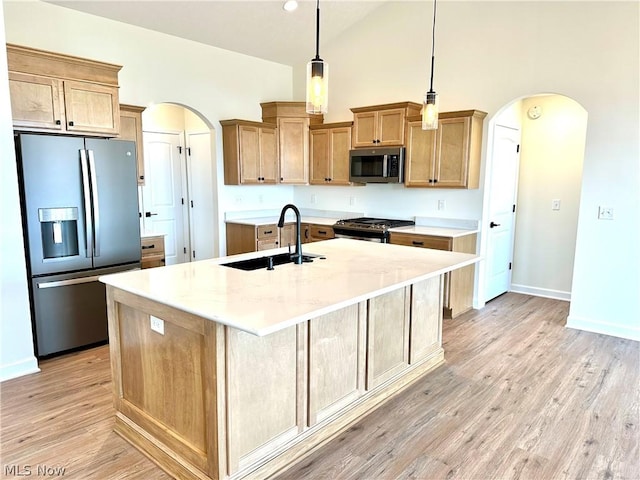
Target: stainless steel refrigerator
[[80, 219]]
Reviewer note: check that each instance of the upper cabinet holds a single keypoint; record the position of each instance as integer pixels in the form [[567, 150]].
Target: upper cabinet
[[293, 124], [58, 93], [131, 129], [448, 157], [250, 152], [330, 144], [382, 125]]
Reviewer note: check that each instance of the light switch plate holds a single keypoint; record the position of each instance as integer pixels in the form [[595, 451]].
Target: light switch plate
[[555, 204], [157, 324]]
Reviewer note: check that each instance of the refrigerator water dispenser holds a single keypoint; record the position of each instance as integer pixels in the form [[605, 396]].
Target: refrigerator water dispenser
[[59, 229]]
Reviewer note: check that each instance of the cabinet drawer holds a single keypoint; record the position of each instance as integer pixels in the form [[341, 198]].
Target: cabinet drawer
[[152, 246], [321, 232], [422, 241], [267, 231]]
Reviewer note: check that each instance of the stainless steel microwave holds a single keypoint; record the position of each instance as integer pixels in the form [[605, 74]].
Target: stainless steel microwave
[[377, 165]]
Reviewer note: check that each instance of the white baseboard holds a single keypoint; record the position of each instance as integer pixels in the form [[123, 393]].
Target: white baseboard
[[18, 369], [541, 292], [605, 328]]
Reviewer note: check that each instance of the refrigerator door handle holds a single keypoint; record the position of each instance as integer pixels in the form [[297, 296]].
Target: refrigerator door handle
[[72, 281], [86, 195], [96, 208]]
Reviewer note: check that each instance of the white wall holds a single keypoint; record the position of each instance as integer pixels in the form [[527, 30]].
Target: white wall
[[157, 68], [551, 156], [16, 346], [489, 54]]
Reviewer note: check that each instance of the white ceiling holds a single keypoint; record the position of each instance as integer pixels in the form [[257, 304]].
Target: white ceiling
[[257, 28]]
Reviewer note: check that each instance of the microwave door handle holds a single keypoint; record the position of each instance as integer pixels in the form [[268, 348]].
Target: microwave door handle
[[86, 197], [385, 162]]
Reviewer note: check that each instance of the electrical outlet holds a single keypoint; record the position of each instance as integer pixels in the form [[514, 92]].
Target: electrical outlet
[[605, 213], [555, 204], [157, 324], [441, 204]]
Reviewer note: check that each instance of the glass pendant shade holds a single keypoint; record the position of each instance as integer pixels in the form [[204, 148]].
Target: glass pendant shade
[[430, 111], [317, 86]]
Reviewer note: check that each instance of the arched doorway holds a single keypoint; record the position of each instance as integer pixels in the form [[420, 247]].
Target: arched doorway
[[180, 192], [542, 198]]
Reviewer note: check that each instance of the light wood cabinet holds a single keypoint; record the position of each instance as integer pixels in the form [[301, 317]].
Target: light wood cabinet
[[382, 125], [131, 129], [448, 157], [153, 254], [58, 93], [330, 145], [293, 124], [251, 238], [458, 284], [425, 336], [318, 233], [250, 152]]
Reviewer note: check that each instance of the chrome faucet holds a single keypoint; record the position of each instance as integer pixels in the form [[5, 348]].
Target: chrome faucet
[[297, 257]]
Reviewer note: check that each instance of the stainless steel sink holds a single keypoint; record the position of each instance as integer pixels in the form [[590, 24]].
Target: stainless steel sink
[[269, 261]]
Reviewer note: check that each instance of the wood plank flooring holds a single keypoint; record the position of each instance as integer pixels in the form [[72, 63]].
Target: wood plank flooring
[[520, 397]]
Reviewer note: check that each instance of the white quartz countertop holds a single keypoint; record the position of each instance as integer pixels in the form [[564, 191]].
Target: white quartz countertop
[[435, 231], [262, 301], [274, 220]]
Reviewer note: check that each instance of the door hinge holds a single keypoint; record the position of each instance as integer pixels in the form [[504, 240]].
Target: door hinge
[[194, 254], [514, 208], [182, 200], [180, 149], [191, 203], [518, 148], [184, 250], [189, 151], [509, 265]]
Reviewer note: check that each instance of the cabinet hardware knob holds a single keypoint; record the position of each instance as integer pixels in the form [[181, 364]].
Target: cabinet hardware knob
[[268, 232], [322, 232], [417, 243], [58, 122], [141, 177], [281, 179], [71, 124], [145, 247]]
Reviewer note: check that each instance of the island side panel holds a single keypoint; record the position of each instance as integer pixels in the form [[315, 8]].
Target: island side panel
[[164, 384], [426, 318]]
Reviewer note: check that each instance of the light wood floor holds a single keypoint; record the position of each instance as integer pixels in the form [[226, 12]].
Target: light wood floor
[[520, 397]]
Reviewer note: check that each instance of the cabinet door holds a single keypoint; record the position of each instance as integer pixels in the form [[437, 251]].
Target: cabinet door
[[36, 102], [320, 141], [391, 127], [131, 129], [339, 156], [452, 153], [268, 155], [426, 318], [387, 337], [334, 362], [321, 232], [365, 125], [91, 108], [288, 235], [294, 153], [249, 153], [421, 152]]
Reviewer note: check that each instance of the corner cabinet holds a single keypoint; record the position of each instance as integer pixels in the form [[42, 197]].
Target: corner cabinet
[[250, 152], [131, 129], [448, 157], [292, 122], [382, 125], [330, 145], [57, 93]]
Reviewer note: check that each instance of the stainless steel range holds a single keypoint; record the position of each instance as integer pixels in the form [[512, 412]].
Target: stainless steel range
[[367, 228]]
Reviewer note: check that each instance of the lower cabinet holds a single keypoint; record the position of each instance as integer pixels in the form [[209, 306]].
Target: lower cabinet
[[153, 254], [458, 284], [317, 233], [243, 238]]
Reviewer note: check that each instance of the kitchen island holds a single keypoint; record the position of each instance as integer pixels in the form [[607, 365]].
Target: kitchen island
[[224, 373]]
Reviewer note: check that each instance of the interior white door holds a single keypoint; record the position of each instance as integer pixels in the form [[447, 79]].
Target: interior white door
[[201, 195], [502, 210], [163, 195]]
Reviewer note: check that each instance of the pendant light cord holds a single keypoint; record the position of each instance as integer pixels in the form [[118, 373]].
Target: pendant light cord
[[318, 30], [433, 45]]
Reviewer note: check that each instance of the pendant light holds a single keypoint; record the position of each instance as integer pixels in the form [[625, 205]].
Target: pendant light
[[317, 76], [430, 105]]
